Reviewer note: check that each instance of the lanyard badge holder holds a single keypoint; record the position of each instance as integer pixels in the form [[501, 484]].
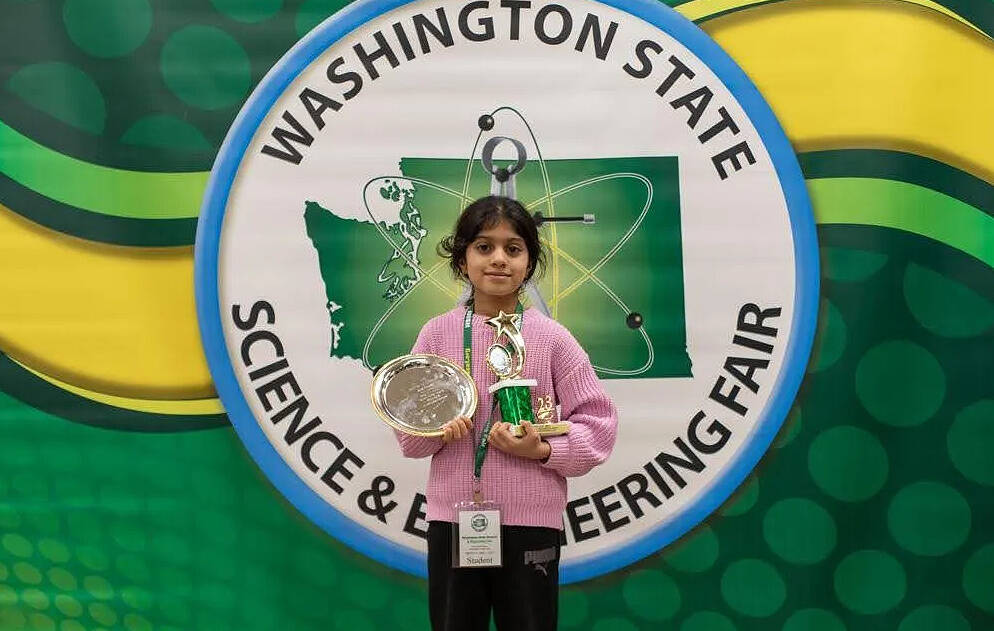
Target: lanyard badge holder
[[476, 540], [476, 536]]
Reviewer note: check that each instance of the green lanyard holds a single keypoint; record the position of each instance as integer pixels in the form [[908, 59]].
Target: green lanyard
[[467, 358]]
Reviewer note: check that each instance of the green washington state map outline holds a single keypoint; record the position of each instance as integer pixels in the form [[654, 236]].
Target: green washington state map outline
[[383, 277]]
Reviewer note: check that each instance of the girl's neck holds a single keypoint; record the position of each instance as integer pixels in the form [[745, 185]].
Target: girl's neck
[[489, 306]]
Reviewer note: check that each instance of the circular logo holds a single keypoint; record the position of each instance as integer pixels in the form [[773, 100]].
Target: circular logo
[[479, 522], [682, 252]]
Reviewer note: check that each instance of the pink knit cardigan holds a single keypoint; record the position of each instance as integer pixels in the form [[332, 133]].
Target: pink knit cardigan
[[529, 492]]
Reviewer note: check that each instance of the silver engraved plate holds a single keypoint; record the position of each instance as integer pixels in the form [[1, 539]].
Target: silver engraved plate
[[418, 394]]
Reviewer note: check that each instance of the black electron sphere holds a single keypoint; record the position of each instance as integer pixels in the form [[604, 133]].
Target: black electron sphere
[[502, 175], [486, 122], [634, 320]]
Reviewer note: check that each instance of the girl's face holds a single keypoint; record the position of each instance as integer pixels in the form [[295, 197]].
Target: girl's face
[[496, 261]]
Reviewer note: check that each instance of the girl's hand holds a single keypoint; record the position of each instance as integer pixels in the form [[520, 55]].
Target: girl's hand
[[530, 445], [457, 428]]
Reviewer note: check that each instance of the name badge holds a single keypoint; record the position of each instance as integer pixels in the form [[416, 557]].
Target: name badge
[[478, 538]]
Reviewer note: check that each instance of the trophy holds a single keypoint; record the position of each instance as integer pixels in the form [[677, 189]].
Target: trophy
[[513, 394], [419, 393]]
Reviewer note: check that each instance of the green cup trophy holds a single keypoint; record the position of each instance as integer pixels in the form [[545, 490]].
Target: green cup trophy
[[513, 394]]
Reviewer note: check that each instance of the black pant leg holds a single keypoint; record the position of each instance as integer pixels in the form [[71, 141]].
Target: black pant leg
[[526, 593], [459, 599]]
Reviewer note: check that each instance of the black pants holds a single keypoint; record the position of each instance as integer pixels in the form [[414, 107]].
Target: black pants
[[523, 592]]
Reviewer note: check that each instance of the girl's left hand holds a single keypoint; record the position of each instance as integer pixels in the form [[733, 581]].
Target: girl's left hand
[[530, 445]]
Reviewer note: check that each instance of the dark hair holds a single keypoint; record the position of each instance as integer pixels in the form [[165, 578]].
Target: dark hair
[[487, 212]]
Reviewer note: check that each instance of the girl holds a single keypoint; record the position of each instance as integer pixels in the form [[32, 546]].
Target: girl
[[496, 248]]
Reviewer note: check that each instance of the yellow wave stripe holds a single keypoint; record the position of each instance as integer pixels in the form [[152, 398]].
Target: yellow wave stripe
[[875, 75], [110, 319], [180, 407], [701, 9], [121, 322]]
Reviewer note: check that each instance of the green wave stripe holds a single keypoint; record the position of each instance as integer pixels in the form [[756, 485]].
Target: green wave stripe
[[907, 207], [900, 167], [40, 394], [84, 224], [100, 189]]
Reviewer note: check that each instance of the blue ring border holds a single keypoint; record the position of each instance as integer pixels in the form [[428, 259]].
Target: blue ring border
[[206, 253]]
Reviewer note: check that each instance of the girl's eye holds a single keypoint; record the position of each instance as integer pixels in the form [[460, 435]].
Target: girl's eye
[[482, 247], [514, 249]]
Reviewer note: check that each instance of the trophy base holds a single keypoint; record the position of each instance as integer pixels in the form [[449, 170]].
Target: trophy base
[[507, 383], [543, 429]]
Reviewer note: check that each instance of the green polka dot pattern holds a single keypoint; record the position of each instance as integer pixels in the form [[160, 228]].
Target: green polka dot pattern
[[614, 624], [17, 545], [900, 383], [849, 265], [110, 76], [166, 132], [313, 12], [813, 620], [695, 553], [945, 307], [743, 499], [848, 463], [753, 588], [64, 92], [799, 531], [651, 595], [107, 28], [205, 67], [574, 607], [931, 617], [707, 621], [978, 576], [969, 441], [830, 340], [929, 518], [790, 430], [128, 555], [870, 582]]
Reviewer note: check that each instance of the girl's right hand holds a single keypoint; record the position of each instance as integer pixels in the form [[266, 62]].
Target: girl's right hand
[[456, 429]]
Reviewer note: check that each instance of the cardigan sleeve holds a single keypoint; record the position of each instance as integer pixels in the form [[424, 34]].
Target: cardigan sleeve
[[583, 402], [420, 446]]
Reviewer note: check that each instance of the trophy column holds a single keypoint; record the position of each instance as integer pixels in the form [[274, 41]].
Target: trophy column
[[506, 359]]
